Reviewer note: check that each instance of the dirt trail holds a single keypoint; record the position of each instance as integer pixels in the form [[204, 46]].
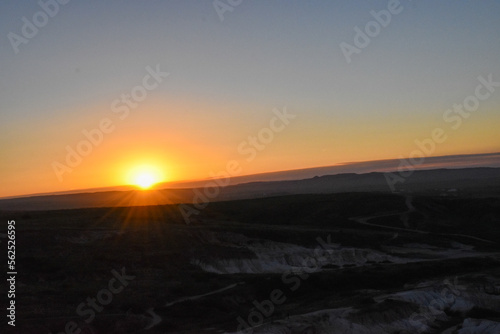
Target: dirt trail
[[404, 219]]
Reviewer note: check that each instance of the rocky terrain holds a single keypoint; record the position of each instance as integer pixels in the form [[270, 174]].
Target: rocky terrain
[[337, 263]]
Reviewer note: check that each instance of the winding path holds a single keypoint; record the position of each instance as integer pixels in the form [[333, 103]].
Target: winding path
[[404, 218]]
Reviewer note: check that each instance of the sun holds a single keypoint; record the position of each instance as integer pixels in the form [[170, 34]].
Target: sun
[[145, 176], [145, 180]]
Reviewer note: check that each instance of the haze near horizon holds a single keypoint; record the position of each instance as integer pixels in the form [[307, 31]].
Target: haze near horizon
[[99, 94]]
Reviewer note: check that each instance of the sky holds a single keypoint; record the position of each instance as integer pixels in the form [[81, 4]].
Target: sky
[[92, 91]]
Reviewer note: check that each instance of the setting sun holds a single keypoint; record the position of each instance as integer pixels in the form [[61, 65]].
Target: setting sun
[[145, 180], [145, 177]]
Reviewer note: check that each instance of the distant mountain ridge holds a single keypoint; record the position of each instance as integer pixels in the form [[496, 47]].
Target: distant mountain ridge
[[363, 167], [482, 180]]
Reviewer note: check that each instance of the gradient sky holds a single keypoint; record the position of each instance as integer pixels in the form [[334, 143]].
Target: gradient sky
[[226, 77]]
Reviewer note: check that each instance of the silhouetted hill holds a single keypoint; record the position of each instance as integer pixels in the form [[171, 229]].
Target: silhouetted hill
[[477, 181]]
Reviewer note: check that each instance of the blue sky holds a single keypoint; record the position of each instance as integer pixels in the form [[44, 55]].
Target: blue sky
[[231, 73]]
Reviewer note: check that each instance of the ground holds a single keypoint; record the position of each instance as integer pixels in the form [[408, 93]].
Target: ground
[[339, 263]]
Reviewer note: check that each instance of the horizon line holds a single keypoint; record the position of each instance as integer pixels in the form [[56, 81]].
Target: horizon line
[[161, 184]]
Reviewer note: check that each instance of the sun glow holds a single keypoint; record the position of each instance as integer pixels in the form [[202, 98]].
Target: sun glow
[[145, 176]]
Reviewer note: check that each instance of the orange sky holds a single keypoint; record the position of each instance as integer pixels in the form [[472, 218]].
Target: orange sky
[[172, 86], [184, 150]]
